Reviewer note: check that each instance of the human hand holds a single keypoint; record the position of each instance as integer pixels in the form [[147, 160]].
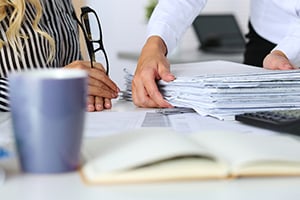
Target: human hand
[[152, 66], [95, 103], [277, 60], [101, 89]]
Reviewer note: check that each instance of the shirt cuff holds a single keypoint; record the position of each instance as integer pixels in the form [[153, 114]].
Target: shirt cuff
[[290, 46], [166, 33]]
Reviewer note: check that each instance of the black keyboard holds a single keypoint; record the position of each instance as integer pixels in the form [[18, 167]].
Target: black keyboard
[[287, 121]]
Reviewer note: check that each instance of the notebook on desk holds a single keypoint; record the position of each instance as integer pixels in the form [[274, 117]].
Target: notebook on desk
[[159, 154], [219, 33]]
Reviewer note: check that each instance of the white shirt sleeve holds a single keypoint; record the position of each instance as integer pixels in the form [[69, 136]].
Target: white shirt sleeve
[[171, 18], [290, 45], [279, 22]]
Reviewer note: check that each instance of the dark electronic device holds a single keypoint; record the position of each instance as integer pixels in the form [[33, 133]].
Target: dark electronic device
[[287, 121], [219, 33]]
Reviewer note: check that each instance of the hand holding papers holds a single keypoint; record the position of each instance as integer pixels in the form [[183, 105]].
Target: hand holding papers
[[223, 89]]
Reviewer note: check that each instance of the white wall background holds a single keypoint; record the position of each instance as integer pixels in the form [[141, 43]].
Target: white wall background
[[124, 27]]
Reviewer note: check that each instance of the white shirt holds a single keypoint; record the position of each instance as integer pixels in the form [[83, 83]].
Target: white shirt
[[277, 21]]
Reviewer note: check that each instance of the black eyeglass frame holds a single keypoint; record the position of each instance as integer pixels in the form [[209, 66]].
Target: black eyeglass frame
[[86, 29]]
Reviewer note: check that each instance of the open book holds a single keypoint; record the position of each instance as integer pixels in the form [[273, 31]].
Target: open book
[[160, 154]]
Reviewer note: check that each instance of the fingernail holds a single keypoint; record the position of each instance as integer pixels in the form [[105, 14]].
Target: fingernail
[[90, 108], [288, 66], [171, 77], [99, 107], [108, 105]]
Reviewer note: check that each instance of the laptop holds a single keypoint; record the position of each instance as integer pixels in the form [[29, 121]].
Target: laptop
[[219, 33]]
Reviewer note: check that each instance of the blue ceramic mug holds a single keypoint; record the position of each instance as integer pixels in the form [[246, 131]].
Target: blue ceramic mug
[[48, 112]]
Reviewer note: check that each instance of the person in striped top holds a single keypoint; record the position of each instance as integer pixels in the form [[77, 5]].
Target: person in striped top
[[40, 34]]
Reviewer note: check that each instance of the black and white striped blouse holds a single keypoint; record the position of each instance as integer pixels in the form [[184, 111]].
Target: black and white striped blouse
[[58, 22]]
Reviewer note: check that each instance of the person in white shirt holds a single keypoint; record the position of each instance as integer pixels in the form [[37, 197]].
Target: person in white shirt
[[274, 42]]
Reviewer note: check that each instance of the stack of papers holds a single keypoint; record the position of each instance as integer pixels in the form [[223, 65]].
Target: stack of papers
[[127, 94], [225, 95]]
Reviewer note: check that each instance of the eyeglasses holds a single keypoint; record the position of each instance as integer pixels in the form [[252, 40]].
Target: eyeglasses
[[94, 42]]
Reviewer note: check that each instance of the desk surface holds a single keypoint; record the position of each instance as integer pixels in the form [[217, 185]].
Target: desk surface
[[189, 55], [70, 186]]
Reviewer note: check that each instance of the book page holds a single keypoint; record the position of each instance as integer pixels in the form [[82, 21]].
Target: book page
[[138, 154], [255, 154], [173, 170], [139, 147]]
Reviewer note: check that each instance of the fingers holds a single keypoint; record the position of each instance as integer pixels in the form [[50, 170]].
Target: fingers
[[95, 103], [277, 60], [98, 72], [141, 97], [164, 71], [99, 84], [286, 66], [107, 103], [99, 103], [98, 78], [145, 92], [101, 89], [152, 66], [100, 75], [90, 104]]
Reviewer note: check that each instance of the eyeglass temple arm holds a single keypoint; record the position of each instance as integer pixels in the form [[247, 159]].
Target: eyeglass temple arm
[[87, 28], [87, 40]]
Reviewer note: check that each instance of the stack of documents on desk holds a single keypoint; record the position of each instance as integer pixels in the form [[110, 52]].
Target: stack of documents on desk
[[233, 92], [227, 95]]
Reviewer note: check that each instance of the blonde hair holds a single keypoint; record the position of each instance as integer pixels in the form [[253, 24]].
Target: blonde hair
[[15, 22]]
